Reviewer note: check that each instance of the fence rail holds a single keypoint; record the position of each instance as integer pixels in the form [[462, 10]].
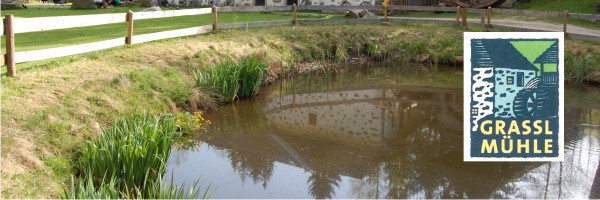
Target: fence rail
[[13, 25]]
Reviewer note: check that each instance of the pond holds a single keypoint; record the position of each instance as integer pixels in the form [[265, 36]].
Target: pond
[[374, 133]]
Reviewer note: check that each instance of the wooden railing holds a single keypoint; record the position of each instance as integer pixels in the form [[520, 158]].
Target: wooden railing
[[13, 26]]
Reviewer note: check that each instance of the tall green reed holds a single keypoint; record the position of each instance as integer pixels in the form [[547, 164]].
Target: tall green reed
[[129, 160], [577, 67], [234, 79]]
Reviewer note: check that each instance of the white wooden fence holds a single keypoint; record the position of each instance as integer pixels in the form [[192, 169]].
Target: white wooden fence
[[24, 25]]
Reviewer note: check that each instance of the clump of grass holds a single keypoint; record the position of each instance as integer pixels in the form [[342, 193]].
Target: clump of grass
[[252, 71], [129, 160], [234, 79], [577, 68]]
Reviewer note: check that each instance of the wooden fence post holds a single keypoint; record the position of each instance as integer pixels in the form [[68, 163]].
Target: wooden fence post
[[10, 45], [464, 17], [129, 38], [458, 16], [385, 14], [483, 13], [566, 18], [489, 18], [294, 13], [215, 18]]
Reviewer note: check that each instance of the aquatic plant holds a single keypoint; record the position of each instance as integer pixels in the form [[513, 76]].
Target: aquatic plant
[[189, 123], [109, 188], [129, 160], [577, 68], [231, 80], [252, 71]]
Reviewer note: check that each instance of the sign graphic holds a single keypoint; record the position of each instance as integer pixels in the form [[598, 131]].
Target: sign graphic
[[513, 93]]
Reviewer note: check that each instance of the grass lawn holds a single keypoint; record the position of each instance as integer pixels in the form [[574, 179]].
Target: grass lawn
[[65, 12], [72, 36], [574, 6]]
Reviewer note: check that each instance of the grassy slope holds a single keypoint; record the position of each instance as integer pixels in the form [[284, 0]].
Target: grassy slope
[[53, 106], [574, 6], [72, 36]]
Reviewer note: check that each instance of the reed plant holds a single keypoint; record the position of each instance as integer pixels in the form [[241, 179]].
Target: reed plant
[[234, 79], [577, 67], [129, 160]]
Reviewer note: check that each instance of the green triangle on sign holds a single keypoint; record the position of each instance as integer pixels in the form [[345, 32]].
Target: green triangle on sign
[[532, 49]]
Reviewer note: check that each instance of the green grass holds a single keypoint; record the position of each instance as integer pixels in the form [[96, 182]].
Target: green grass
[[234, 79], [574, 6], [80, 35], [67, 12], [129, 160]]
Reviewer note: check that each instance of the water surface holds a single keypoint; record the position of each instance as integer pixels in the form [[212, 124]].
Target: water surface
[[375, 133]]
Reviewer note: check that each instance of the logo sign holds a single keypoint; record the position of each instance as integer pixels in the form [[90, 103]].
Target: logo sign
[[513, 96]]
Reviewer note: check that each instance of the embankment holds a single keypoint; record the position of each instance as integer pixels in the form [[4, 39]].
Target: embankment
[[52, 107]]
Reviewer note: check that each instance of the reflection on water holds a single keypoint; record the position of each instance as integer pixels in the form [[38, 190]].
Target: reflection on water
[[375, 133]]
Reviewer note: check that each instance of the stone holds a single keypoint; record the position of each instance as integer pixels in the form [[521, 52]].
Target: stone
[[366, 14], [151, 9], [83, 4], [358, 13], [350, 13]]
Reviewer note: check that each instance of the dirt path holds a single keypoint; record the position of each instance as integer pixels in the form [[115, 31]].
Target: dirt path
[[518, 25]]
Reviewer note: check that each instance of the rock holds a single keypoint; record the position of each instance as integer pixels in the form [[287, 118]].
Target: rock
[[83, 4], [12, 5], [353, 13], [151, 9], [366, 14]]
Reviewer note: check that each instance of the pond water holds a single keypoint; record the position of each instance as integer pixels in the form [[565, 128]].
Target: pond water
[[375, 133]]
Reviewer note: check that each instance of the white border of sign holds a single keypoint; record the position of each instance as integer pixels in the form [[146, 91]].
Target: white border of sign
[[467, 87]]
